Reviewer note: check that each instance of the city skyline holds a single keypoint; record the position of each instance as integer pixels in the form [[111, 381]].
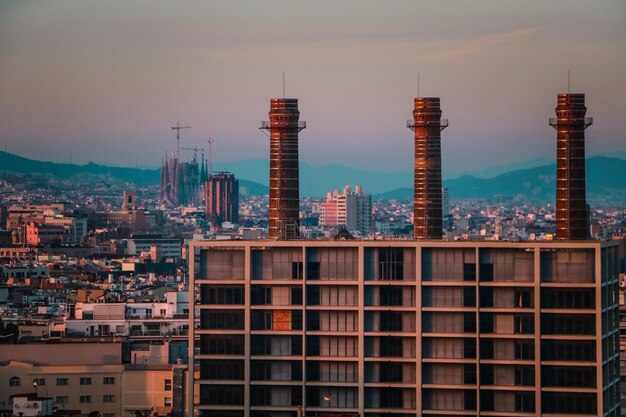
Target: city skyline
[[110, 81]]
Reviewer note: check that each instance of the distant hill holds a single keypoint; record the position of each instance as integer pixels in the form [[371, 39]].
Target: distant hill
[[606, 182], [318, 180], [606, 178], [143, 177], [14, 163], [252, 188]]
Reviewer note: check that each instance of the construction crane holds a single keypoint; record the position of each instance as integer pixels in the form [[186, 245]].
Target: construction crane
[[177, 129], [210, 141], [195, 152]]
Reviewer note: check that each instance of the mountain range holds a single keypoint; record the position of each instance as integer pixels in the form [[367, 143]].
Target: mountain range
[[533, 179]]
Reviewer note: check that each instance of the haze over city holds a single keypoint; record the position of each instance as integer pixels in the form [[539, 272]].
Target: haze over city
[[105, 81]]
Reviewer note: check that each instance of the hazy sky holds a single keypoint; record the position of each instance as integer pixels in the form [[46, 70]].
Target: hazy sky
[[105, 80]]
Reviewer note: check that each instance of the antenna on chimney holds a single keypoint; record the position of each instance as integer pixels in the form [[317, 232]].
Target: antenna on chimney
[[418, 84], [568, 81]]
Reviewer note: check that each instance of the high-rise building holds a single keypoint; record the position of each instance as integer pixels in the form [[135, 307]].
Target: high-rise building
[[352, 209], [572, 214], [222, 198], [284, 126], [427, 125], [405, 328]]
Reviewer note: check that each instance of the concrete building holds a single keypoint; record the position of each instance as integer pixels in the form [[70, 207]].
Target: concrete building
[[168, 247], [405, 328], [222, 199], [169, 318], [350, 209], [90, 377]]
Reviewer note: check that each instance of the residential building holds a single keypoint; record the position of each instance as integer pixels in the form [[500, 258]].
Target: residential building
[[405, 328], [347, 208], [222, 199]]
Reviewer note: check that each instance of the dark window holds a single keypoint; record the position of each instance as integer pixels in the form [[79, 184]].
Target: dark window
[[566, 298], [486, 272], [390, 321], [568, 376], [221, 295], [221, 394], [391, 372], [313, 295], [261, 295], [221, 344], [469, 297], [584, 324], [221, 369], [296, 296], [569, 403], [262, 395], [313, 270], [221, 319], [390, 263], [563, 350], [469, 272], [297, 270], [390, 346], [391, 296]]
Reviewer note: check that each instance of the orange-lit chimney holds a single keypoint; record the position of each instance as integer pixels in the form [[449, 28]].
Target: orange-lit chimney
[[572, 220], [284, 126], [427, 125]]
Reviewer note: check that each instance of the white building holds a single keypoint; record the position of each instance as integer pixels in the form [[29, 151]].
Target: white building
[[167, 247], [31, 405], [169, 318], [350, 209]]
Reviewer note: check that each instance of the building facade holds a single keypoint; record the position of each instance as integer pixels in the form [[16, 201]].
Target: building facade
[[222, 199], [400, 328], [352, 209]]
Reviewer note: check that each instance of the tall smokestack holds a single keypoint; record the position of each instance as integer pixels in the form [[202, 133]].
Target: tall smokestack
[[427, 125], [572, 221], [284, 126]]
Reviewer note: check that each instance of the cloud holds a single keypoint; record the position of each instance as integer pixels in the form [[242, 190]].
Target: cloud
[[478, 44]]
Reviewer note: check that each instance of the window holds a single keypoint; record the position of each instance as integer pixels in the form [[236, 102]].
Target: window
[[15, 382], [108, 380], [168, 385], [62, 399], [63, 381], [162, 312], [167, 402], [39, 381], [108, 415], [84, 399], [85, 381], [108, 398]]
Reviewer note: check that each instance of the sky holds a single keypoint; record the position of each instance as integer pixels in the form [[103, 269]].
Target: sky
[[105, 81]]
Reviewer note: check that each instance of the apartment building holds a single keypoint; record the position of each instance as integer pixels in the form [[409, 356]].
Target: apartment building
[[113, 379], [399, 328], [168, 318], [352, 209]]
